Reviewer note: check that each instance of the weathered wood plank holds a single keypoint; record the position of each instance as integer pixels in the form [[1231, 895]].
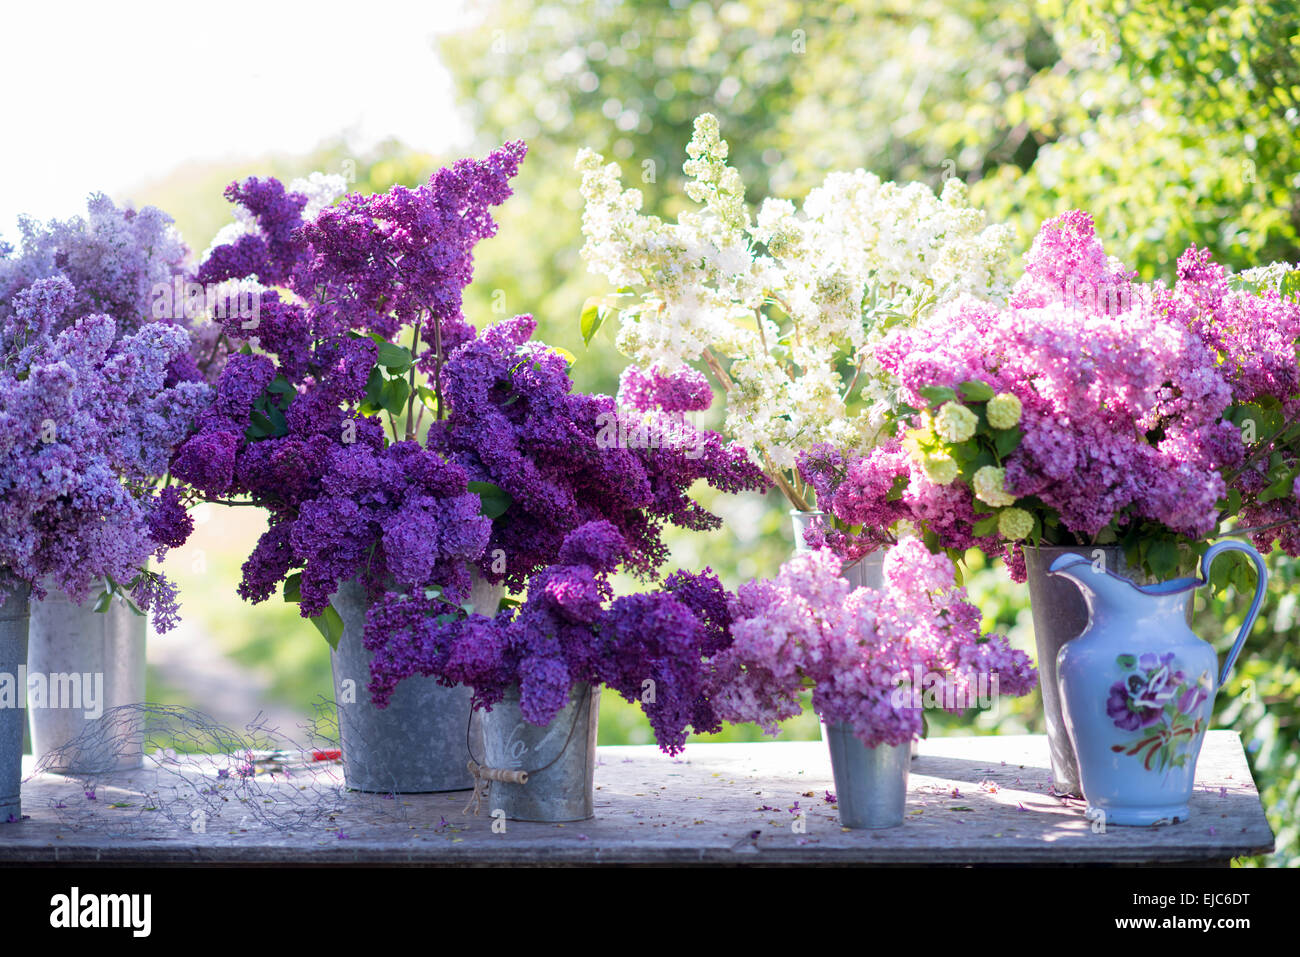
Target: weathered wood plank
[[972, 800]]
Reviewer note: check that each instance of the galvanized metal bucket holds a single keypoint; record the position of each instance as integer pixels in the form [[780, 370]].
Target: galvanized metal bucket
[[560, 759], [81, 664], [419, 742], [1060, 615], [870, 783], [13, 713]]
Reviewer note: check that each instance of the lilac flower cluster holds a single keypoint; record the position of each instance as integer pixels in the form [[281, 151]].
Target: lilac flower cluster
[[123, 263], [858, 647], [86, 422], [398, 517], [412, 250], [684, 390], [570, 630], [514, 422]]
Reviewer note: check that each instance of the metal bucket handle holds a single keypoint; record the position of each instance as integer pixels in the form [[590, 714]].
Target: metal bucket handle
[[484, 776]]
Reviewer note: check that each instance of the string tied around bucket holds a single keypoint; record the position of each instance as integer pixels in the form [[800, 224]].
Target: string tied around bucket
[[484, 776]]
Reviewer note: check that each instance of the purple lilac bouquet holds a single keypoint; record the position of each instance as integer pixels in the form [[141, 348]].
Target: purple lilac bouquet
[[511, 461], [571, 629], [97, 386], [866, 653], [297, 426], [1091, 410]]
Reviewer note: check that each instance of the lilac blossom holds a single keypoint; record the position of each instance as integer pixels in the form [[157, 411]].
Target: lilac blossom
[[857, 647]]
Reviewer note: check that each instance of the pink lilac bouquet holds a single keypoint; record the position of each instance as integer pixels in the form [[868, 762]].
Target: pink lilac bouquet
[[510, 462], [1092, 409], [571, 629], [862, 650], [96, 390]]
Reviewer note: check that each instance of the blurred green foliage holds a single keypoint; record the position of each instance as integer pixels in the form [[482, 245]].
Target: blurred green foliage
[[1171, 123]]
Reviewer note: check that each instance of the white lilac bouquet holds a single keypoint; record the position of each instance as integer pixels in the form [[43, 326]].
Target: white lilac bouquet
[[1090, 409], [95, 392], [873, 657], [783, 310]]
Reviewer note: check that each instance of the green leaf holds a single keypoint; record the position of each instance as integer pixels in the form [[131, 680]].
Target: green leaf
[[330, 624], [282, 386], [428, 397], [279, 424], [394, 397], [495, 500], [293, 588], [1290, 284], [261, 422], [976, 391], [898, 488], [1162, 558], [938, 394], [590, 321], [105, 600], [1006, 440], [374, 387], [1127, 662], [986, 526], [396, 359]]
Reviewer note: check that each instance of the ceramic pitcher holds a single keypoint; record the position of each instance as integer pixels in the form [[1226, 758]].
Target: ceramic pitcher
[[1138, 687]]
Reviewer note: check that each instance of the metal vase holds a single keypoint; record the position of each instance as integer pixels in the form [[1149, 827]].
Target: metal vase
[[421, 741], [870, 783], [81, 664], [865, 573], [560, 759], [13, 667], [1060, 615]]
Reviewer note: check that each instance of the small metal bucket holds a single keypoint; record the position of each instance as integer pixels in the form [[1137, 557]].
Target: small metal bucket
[[87, 663], [418, 743], [560, 759], [13, 701], [870, 783]]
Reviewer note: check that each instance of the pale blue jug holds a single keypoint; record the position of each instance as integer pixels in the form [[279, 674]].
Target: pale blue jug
[[1138, 688]]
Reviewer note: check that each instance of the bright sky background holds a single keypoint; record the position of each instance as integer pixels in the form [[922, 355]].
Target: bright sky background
[[104, 96]]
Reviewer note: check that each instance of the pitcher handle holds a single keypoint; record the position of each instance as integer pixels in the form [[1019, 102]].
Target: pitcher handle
[[1261, 584]]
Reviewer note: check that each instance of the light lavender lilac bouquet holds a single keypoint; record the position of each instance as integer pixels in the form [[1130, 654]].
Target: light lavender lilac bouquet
[[94, 395], [860, 649]]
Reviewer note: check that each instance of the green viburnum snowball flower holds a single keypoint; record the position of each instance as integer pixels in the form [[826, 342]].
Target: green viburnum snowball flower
[[955, 422], [1003, 410], [1015, 523], [940, 469], [990, 488]]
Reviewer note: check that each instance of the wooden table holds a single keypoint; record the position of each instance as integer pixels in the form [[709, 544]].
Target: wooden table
[[972, 800]]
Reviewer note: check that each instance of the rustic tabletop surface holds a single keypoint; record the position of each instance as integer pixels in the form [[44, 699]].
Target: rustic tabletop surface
[[972, 800]]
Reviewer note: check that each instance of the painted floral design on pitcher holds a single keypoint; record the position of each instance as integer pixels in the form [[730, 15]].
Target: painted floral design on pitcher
[[1159, 701]]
